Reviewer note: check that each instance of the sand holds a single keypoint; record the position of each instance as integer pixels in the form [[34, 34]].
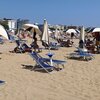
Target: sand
[[79, 80]]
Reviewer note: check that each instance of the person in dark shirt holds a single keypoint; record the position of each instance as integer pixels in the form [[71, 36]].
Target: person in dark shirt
[[34, 45]]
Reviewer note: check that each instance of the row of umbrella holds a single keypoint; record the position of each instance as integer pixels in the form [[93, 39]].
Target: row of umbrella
[[45, 36]]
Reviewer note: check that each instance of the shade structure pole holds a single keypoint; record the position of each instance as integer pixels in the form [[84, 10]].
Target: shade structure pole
[[45, 36], [82, 34], [82, 38]]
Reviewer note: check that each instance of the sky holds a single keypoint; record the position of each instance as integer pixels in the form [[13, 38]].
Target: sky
[[65, 12]]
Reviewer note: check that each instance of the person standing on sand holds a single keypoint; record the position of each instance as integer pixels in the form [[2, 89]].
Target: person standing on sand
[[34, 45], [72, 36]]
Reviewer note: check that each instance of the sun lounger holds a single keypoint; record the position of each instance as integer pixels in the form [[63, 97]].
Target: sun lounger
[[82, 54], [56, 62], [37, 57], [40, 64], [21, 47], [2, 82], [52, 45]]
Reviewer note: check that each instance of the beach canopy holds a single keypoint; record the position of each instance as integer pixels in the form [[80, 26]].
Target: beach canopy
[[82, 34], [32, 28], [96, 30], [3, 32], [72, 31]]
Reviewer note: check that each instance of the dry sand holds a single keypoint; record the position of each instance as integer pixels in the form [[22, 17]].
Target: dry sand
[[79, 80]]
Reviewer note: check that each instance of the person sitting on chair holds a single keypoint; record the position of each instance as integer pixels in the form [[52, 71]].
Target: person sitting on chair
[[69, 43], [81, 44], [90, 46]]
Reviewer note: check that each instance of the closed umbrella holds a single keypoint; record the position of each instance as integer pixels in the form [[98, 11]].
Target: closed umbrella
[[82, 34], [82, 40], [45, 36]]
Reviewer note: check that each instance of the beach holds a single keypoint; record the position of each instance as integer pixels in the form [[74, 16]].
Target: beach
[[79, 80]]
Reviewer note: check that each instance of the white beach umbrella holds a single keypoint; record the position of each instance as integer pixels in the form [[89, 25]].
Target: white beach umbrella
[[45, 36], [72, 31], [33, 28], [96, 30], [3, 32], [82, 34]]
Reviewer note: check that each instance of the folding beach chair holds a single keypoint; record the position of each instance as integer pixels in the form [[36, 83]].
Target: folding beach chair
[[54, 46], [36, 56], [22, 47], [82, 54], [55, 62], [51, 46], [2, 82], [40, 64]]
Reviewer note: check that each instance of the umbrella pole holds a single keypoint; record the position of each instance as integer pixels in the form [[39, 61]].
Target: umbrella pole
[[49, 50]]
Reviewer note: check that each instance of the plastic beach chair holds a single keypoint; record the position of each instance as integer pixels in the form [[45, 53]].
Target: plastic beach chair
[[2, 82], [40, 64], [81, 54], [22, 47], [36, 56], [57, 62], [52, 45]]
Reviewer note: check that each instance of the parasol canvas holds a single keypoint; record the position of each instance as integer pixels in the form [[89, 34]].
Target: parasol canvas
[[3, 32], [31, 27]]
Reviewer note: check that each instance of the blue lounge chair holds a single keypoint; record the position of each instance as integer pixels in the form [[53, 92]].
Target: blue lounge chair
[[21, 47], [40, 64], [46, 61], [2, 82], [1, 41], [82, 54], [52, 45], [56, 62]]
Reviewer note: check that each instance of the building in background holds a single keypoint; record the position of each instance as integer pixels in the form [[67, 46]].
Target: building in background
[[12, 25]]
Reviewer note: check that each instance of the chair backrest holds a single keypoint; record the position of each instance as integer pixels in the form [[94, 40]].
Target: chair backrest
[[41, 62], [35, 55]]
